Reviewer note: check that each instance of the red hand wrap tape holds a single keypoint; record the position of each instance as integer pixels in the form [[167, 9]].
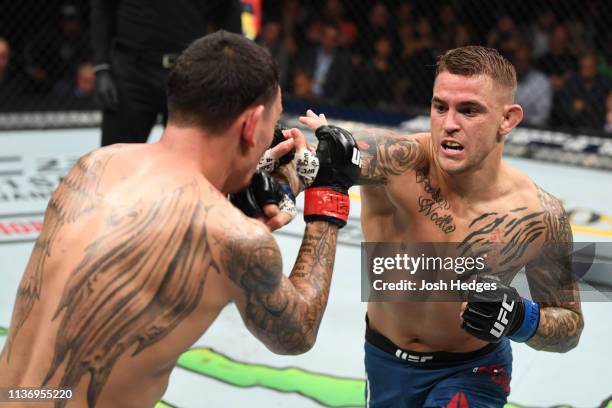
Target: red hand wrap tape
[[325, 201]]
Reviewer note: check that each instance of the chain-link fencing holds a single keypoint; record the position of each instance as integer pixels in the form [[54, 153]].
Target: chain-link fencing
[[366, 56], [45, 56], [381, 55]]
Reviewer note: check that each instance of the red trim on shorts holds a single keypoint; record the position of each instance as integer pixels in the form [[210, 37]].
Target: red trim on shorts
[[459, 400], [497, 374]]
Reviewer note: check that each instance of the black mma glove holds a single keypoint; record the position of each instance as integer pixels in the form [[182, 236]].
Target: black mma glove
[[262, 191], [491, 315], [279, 138], [339, 165], [106, 91], [268, 163]]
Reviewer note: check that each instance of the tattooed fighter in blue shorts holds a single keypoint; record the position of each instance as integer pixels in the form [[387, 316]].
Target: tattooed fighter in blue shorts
[[452, 186]]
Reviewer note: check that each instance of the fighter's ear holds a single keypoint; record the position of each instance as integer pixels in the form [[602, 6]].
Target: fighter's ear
[[252, 117], [513, 115]]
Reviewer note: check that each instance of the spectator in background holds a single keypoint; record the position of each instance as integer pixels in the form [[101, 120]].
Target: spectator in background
[[54, 57], [424, 40], [11, 84], [294, 21], [583, 98], [447, 31], [404, 32], [5, 60], [533, 90], [558, 63], [608, 124], [404, 13], [541, 32], [504, 36], [416, 86], [302, 85], [451, 32], [271, 38], [331, 67], [85, 82], [463, 36], [376, 88], [581, 38], [407, 42], [78, 92], [605, 57], [378, 24], [333, 14]]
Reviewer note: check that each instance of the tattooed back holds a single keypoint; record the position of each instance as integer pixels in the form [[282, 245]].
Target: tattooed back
[[115, 287]]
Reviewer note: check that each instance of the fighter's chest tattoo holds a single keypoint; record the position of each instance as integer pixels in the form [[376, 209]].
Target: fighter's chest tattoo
[[433, 206], [504, 235], [516, 225]]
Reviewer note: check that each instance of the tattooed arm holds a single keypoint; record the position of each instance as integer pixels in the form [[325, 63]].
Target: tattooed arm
[[284, 313], [553, 285], [385, 153]]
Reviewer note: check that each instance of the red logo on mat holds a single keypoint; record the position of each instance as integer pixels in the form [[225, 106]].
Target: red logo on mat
[[459, 401], [20, 227]]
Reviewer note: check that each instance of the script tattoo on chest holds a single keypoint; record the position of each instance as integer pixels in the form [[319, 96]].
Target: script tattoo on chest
[[434, 206]]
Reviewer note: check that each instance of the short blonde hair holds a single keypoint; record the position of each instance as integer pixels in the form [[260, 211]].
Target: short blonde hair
[[476, 60]]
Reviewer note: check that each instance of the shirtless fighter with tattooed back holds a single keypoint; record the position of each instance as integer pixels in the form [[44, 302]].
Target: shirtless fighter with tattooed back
[[141, 249], [452, 186]]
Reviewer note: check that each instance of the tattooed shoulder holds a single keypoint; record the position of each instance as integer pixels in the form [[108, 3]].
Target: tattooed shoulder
[[250, 251], [555, 218]]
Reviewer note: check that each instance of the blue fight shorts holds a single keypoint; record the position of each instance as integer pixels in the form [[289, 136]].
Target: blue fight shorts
[[398, 378]]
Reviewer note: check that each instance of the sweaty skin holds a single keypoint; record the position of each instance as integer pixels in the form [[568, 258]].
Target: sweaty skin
[[136, 258], [407, 207], [415, 190]]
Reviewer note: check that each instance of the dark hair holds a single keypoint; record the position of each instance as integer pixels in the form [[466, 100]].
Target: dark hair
[[476, 60], [216, 78]]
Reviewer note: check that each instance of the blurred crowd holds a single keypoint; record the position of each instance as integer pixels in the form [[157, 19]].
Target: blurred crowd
[[382, 54], [45, 60], [370, 54]]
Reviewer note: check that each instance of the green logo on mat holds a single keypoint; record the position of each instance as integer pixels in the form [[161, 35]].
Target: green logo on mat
[[327, 390]]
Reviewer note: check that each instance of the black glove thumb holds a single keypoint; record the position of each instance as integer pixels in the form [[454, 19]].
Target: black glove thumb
[[106, 91]]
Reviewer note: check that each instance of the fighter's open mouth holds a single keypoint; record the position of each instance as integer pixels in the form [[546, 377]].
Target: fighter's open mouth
[[452, 145]]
